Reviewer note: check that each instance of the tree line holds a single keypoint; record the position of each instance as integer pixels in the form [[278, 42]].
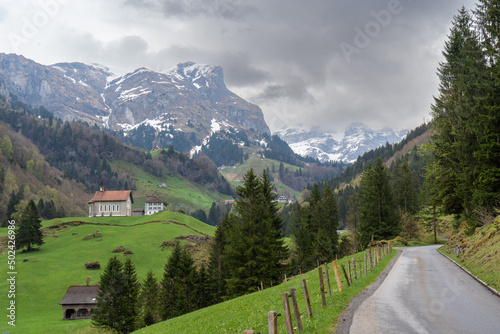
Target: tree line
[[464, 170]]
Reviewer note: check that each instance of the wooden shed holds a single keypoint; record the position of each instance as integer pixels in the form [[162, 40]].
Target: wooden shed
[[79, 302]]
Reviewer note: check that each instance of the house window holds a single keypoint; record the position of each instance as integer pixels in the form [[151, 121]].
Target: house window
[[100, 208], [117, 207]]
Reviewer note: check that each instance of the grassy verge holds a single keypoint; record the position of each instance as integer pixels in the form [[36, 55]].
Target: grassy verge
[[479, 253], [250, 311]]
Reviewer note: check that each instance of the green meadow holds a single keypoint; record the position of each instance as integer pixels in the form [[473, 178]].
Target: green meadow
[[43, 276], [179, 192], [250, 311]]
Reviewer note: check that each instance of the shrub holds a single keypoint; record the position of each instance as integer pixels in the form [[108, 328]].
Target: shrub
[[119, 249], [93, 265]]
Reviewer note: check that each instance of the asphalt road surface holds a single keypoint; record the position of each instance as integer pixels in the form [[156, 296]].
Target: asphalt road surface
[[426, 293]]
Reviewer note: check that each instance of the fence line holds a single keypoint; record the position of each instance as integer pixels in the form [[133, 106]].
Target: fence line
[[368, 262]]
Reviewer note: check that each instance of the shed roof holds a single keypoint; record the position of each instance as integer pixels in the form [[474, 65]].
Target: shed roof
[[112, 196], [80, 295], [153, 200]]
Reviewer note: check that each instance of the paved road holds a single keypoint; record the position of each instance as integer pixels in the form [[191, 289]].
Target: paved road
[[427, 293]]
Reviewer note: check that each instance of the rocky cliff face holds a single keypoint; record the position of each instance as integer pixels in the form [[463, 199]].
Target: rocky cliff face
[[188, 98]]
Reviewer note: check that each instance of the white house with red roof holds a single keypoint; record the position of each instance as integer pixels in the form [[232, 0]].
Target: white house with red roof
[[106, 203], [153, 205]]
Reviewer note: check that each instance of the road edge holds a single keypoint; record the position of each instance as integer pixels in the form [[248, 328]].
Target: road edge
[[346, 317], [486, 285]]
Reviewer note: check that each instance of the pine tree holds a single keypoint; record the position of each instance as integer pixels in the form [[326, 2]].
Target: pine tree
[[378, 217], [255, 249], [216, 267], [405, 187], [303, 239], [179, 277], [458, 113], [108, 314], [353, 218], [487, 184], [130, 307], [327, 233], [29, 227], [149, 299]]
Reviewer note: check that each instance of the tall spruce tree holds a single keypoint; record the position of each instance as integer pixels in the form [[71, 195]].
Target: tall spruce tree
[[108, 314], [149, 299], [378, 217], [29, 227], [458, 112], [217, 269], [327, 237], [255, 250], [130, 306], [405, 187], [302, 236], [179, 280], [487, 184]]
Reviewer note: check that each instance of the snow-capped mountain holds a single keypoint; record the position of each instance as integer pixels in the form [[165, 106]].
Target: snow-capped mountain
[[188, 101], [358, 139]]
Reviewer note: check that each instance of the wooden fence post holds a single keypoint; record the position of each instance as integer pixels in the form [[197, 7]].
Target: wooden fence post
[[360, 268], [345, 274], [366, 273], [272, 322], [288, 316], [296, 310], [354, 269], [248, 331], [306, 297], [350, 270], [328, 280], [321, 286], [375, 256], [371, 260], [337, 276]]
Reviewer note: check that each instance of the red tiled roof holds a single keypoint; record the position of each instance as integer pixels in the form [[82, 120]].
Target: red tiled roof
[[154, 200], [112, 196]]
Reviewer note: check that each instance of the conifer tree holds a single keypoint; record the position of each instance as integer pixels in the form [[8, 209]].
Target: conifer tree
[[149, 299], [255, 249], [458, 113], [107, 314], [303, 239], [217, 269], [29, 227], [405, 187], [378, 217], [178, 284], [130, 306], [487, 184]]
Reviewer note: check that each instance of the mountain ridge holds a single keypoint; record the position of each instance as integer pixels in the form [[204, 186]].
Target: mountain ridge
[[188, 98], [358, 139]]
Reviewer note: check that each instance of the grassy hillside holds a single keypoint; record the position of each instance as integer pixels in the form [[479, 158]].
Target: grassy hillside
[[478, 253], [250, 311], [235, 174], [43, 279], [179, 191]]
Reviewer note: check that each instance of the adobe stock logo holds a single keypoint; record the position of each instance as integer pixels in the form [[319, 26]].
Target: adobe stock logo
[[32, 25], [371, 30]]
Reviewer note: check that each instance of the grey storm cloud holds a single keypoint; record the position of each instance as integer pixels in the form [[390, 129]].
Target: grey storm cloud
[[316, 64]]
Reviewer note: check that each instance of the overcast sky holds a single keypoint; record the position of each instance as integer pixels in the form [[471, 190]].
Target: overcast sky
[[309, 64]]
